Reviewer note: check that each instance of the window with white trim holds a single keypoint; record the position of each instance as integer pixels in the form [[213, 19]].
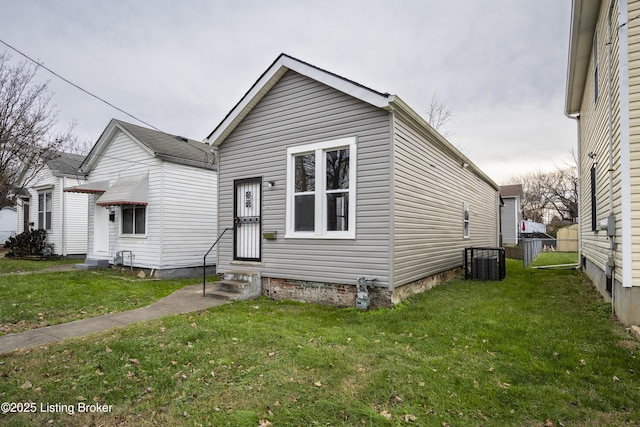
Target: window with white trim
[[466, 221], [134, 218], [321, 190], [45, 205]]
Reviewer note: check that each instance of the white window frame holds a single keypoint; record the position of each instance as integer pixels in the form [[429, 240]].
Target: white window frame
[[47, 196], [466, 221], [320, 214], [134, 234]]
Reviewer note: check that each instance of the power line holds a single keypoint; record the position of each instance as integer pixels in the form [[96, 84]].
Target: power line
[[76, 86]]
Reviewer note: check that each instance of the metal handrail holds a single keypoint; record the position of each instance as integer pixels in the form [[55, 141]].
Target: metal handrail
[[204, 260]]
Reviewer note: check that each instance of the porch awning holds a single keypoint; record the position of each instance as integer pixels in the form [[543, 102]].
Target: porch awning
[[130, 190], [89, 187], [19, 192]]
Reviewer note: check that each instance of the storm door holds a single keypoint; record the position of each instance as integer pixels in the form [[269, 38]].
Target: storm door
[[247, 203]]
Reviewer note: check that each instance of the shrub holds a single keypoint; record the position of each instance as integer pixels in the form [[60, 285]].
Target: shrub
[[28, 243]]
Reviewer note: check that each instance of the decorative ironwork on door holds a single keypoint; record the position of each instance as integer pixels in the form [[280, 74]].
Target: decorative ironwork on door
[[248, 219]]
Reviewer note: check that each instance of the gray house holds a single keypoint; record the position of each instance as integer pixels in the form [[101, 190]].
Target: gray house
[[323, 181]]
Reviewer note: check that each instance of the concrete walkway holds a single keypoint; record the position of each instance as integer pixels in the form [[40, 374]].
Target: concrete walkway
[[185, 300]]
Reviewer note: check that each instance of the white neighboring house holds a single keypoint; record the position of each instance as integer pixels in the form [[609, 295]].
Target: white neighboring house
[[510, 215], [8, 223], [42, 204], [150, 201]]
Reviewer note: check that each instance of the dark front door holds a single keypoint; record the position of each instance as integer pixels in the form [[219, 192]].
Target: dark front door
[[25, 216], [247, 203]]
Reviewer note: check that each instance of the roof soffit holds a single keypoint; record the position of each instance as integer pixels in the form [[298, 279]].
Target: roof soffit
[[584, 17]]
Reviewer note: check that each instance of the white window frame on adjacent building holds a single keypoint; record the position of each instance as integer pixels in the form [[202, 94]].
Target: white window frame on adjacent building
[[466, 221], [344, 228]]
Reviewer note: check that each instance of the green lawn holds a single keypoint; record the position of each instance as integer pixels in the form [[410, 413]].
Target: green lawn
[[555, 258], [40, 299], [537, 346]]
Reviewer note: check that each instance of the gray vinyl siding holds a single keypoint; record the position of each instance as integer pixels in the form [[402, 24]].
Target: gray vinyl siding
[[299, 111], [430, 190]]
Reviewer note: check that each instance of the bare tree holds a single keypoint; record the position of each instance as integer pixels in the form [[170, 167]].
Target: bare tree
[[439, 114], [549, 194], [27, 123]]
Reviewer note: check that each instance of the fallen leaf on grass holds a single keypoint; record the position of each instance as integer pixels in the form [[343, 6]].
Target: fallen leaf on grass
[[27, 384], [616, 379], [408, 418], [108, 350], [386, 414], [317, 384], [264, 423], [135, 361]]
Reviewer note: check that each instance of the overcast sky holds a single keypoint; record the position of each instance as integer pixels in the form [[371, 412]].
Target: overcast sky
[[182, 65]]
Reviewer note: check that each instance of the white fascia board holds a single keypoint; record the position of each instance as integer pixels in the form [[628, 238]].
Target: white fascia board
[[271, 77], [584, 16]]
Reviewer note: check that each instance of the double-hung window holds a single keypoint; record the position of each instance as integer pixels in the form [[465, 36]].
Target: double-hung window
[[45, 205], [321, 190], [134, 218]]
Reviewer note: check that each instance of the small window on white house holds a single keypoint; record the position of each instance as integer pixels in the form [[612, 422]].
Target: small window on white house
[[466, 221], [45, 205], [134, 218], [321, 190]]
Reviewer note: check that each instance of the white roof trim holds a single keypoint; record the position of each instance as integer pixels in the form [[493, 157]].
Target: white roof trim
[[271, 76], [584, 17]]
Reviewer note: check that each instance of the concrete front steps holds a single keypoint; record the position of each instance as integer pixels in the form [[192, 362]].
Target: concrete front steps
[[235, 286], [93, 264]]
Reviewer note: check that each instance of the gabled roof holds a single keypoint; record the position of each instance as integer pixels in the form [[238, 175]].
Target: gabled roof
[[270, 77], [584, 17], [284, 63], [65, 164], [514, 190], [160, 145]]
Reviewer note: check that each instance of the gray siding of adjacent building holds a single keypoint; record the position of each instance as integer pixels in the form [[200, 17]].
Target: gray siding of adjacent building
[[431, 187], [299, 111]]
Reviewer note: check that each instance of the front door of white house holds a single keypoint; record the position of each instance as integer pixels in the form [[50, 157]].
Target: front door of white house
[[101, 230], [247, 202]]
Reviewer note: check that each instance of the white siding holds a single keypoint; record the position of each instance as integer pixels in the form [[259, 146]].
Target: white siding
[[634, 137], [298, 111], [125, 157], [181, 210], [68, 234], [595, 139], [189, 212], [430, 189], [510, 219]]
